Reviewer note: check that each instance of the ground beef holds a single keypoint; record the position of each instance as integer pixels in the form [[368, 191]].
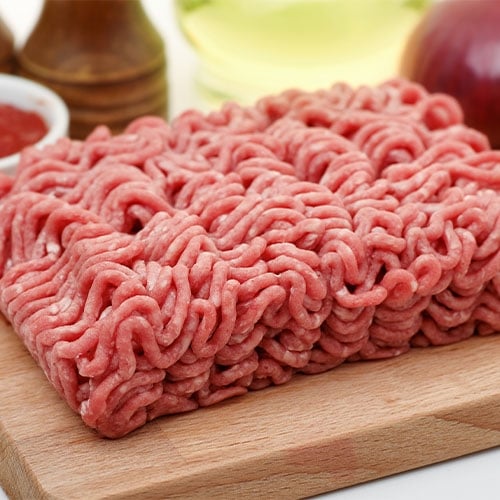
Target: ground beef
[[180, 264]]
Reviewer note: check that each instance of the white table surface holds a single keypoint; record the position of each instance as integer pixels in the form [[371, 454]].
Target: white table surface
[[476, 476]]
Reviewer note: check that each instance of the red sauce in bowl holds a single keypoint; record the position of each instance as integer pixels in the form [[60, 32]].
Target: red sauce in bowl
[[19, 128]]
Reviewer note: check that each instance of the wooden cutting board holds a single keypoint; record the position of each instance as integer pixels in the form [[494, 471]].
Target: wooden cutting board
[[317, 433]]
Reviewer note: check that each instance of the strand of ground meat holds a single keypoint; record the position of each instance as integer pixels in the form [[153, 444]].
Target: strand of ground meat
[[177, 265]]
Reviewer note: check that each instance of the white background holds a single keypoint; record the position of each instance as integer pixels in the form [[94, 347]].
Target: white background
[[474, 477]]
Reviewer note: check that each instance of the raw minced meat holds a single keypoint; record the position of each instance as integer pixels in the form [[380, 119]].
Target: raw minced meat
[[179, 264]]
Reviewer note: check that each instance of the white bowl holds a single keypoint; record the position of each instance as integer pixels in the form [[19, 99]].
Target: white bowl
[[29, 95]]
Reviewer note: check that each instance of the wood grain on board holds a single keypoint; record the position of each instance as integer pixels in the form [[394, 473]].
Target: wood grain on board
[[317, 433]]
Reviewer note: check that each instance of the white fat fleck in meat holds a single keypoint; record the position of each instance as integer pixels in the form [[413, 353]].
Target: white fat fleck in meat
[[105, 312], [60, 306], [53, 248]]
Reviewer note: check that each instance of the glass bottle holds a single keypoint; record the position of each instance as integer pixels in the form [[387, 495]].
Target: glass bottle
[[248, 48]]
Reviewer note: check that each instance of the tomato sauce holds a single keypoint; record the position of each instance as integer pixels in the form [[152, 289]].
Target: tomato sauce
[[19, 128]]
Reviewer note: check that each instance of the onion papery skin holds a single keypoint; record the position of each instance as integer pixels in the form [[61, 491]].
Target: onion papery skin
[[455, 49]]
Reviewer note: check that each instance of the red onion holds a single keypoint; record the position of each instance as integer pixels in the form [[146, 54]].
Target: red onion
[[456, 49]]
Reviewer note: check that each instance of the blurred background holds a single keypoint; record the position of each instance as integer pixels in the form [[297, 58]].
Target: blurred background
[[113, 60], [105, 57]]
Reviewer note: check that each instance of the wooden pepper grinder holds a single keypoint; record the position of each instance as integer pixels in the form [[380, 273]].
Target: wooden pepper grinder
[[103, 57], [6, 49]]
